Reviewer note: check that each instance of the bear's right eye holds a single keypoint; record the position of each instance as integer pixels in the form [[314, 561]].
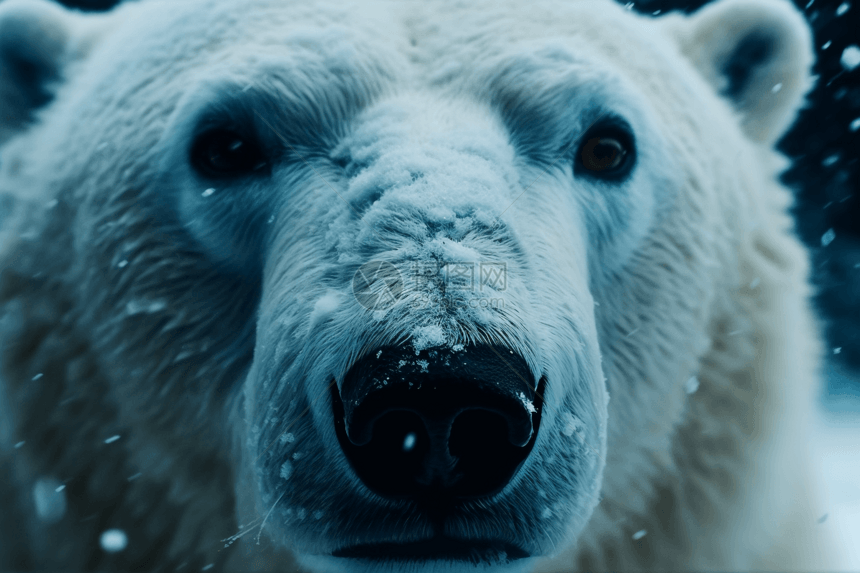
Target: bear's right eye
[[224, 153], [606, 152]]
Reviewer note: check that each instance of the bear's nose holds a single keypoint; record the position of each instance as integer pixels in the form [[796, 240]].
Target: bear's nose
[[440, 424]]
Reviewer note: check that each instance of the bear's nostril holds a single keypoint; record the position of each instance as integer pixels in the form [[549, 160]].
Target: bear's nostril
[[446, 424]]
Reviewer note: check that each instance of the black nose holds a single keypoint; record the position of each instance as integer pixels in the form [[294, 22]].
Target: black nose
[[441, 424]]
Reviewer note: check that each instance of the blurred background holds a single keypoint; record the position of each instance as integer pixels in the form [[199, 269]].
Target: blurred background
[[824, 146]]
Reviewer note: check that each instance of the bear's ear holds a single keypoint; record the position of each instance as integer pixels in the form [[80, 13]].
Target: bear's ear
[[758, 54], [38, 40]]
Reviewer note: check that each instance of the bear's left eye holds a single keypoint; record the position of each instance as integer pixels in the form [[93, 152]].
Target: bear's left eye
[[224, 153]]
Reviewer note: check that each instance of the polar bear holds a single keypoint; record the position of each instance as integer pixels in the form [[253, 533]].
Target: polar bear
[[406, 287]]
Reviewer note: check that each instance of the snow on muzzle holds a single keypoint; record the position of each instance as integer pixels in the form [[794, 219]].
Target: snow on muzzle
[[439, 425]]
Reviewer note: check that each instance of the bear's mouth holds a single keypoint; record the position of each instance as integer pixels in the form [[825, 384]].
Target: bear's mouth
[[440, 548]]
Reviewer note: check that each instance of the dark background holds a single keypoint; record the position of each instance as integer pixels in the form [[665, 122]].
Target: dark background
[[824, 174]]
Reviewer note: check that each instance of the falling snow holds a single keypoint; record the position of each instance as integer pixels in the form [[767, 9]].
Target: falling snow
[[830, 160], [691, 385], [287, 438], [850, 57], [828, 237], [854, 125], [639, 534], [113, 540], [826, 45], [144, 307], [112, 439], [208, 192], [844, 7]]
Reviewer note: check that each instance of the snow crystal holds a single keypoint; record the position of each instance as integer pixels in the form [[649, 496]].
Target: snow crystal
[[629, 6], [427, 337], [113, 540], [830, 160], [297, 455], [691, 385], [271, 220], [423, 364], [826, 45], [112, 439], [36, 377], [639, 534], [809, 4], [287, 438], [318, 515], [301, 513], [842, 8], [546, 513], [51, 204], [20, 444], [208, 567], [776, 88], [60, 488], [378, 354], [286, 470], [527, 403], [655, 12], [409, 442], [828, 237], [572, 424], [208, 192], [854, 125], [850, 57], [324, 307], [837, 350], [49, 500]]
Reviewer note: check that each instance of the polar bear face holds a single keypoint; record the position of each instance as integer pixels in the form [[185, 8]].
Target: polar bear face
[[388, 263]]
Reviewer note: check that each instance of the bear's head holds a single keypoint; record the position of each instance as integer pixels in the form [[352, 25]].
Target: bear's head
[[410, 284]]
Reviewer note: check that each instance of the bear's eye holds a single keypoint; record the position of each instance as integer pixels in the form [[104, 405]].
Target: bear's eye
[[606, 153], [224, 153]]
